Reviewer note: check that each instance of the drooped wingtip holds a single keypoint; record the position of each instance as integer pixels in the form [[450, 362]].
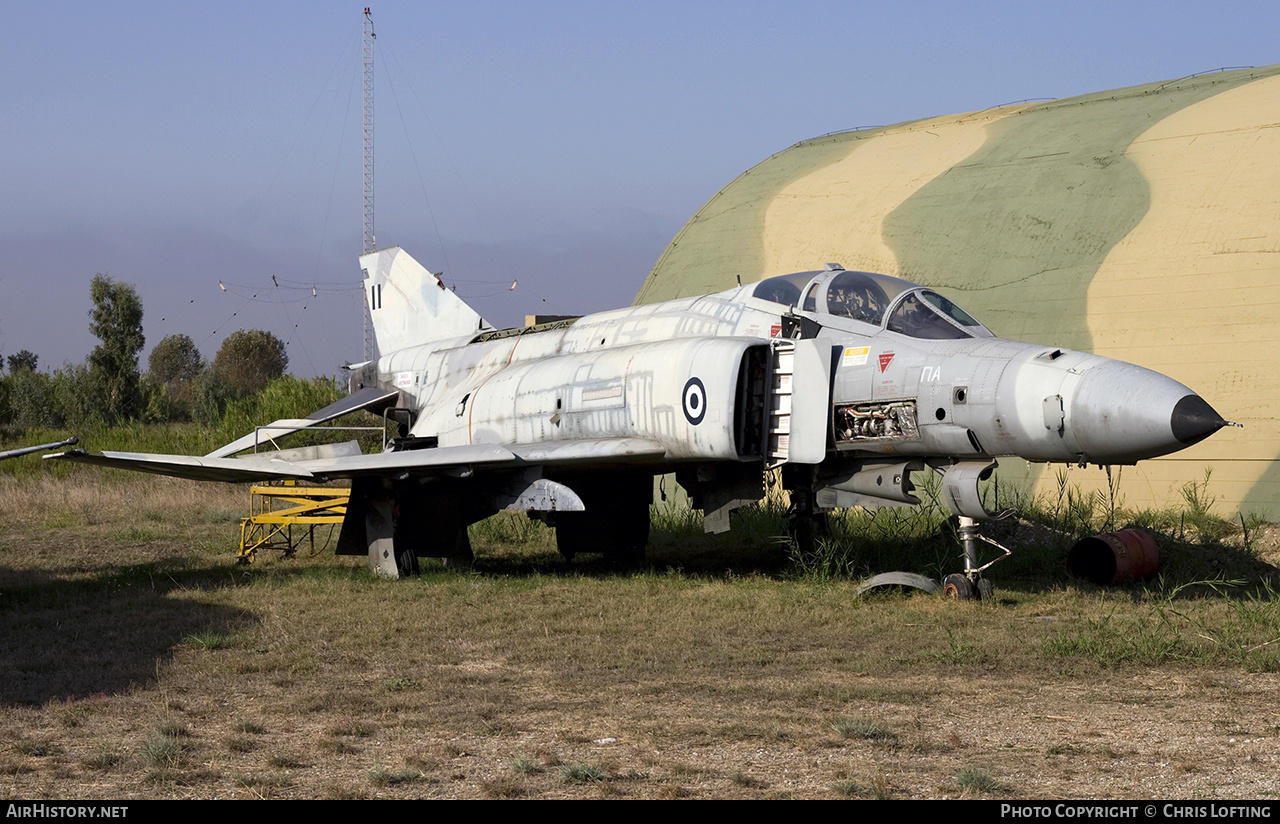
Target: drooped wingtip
[[1193, 420]]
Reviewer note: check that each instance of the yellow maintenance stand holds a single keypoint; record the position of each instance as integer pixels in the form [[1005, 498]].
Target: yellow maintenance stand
[[283, 517]]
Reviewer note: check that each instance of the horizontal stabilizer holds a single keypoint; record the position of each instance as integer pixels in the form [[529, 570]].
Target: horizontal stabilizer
[[363, 399], [425, 462], [346, 449], [372, 397]]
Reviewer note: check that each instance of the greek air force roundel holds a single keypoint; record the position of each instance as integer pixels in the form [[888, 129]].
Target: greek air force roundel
[[694, 401]]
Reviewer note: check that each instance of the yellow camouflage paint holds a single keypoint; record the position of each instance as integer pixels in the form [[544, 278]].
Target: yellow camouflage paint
[[872, 179], [1194, 290]]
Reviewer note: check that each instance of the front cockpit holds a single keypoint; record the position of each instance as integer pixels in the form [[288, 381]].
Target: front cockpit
[[878, 300]]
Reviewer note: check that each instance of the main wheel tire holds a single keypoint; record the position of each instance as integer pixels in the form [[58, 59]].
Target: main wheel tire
[[573, 534], [406, 562], [630, 534], [617, 529]]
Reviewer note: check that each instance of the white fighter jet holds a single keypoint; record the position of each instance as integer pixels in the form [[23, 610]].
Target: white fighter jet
[[848, 382]]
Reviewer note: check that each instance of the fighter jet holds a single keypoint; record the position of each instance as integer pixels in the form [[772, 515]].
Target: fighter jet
[[847, 382]]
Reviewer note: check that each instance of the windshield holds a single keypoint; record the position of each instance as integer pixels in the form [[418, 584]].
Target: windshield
[[926, 314]]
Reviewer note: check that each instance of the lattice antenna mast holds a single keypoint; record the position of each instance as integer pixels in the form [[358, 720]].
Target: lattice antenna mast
[[367, 42]]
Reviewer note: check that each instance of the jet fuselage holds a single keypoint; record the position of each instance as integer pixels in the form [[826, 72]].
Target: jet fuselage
[[909, 375]]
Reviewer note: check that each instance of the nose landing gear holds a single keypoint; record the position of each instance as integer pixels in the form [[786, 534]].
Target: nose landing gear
[[962, 586], [970, 585]]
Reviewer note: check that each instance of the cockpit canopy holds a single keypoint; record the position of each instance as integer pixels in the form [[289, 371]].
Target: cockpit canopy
[[880, 300]]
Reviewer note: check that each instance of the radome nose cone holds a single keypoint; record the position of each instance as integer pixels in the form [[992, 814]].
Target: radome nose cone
[[1193, 420], [1121, 413]]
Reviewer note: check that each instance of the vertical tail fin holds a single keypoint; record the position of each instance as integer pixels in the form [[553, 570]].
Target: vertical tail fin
[[409, 305]]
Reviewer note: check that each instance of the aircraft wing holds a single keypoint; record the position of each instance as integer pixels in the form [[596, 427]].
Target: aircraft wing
[[232, 470], [438, 461], [338, 460], [604, 450], [366, 398]]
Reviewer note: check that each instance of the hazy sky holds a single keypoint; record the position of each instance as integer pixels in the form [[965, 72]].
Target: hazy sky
[[176, 146]]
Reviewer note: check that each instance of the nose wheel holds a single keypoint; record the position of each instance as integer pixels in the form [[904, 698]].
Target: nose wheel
[[958, 586], [961, 587]]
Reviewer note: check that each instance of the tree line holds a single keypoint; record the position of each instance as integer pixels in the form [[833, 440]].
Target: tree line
[[109, 386]]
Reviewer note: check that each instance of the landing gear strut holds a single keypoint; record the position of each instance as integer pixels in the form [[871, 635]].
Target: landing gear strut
[[970, 584], [962, 586], [807, 523]]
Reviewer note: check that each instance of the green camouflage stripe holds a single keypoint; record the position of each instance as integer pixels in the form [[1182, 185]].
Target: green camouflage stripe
[[1050, 185]]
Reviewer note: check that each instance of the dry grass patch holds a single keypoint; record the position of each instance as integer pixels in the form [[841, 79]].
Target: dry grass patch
[[264, 780], [503, 787], [582, 772], [863, 728], [381, 776], [162, 752], [241, 745], [876, 788], [33, 747], [980, 780], [103, 757], [730, 675]]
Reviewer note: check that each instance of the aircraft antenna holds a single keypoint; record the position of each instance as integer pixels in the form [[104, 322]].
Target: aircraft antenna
[[367, 42]]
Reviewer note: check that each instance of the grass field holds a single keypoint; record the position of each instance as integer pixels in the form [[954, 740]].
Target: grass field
[[136, 661]]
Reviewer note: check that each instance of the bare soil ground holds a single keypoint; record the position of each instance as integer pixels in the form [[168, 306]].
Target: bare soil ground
[[137, 662]]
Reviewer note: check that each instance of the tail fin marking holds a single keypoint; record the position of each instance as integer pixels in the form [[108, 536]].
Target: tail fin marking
[[409, 305]]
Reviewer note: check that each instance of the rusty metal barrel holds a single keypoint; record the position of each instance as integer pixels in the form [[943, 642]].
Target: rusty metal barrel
[[1115, 557]]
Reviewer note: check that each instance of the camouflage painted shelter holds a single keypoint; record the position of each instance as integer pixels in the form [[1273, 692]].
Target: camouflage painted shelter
[[1141, 224]]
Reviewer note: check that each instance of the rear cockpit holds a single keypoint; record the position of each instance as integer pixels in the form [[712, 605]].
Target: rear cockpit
[[879, 300]]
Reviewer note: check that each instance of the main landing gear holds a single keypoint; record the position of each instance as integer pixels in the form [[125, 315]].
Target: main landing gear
[[806, 524], [620, 532], [961, 587], [614, 523]]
